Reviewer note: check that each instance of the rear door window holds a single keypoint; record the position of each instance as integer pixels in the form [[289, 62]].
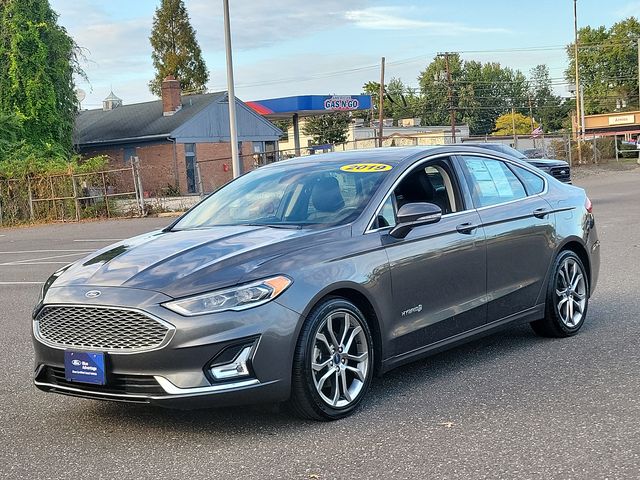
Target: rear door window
[[491, 182]]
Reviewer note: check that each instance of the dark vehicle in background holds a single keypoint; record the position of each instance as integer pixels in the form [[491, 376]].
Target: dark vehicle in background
[[534, 153], [303, 279], [558, 169]]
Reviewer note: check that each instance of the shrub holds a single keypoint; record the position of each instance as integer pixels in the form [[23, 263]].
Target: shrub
[[29, 171]]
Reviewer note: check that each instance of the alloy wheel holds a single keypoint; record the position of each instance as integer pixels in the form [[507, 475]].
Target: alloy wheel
[[571, 293], [340, 359]]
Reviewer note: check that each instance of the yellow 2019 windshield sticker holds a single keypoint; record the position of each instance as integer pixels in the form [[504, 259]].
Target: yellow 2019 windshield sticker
[[366, 167]]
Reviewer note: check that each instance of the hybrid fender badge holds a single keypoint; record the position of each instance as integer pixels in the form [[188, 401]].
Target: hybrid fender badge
[[93, 294], [416, 309], [366, 167]]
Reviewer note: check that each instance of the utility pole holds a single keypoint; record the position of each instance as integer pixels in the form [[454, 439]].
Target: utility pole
[[513, 127], [575, 59], [381, 103], [638, 70], [582, 110], [452, 111], [533, 125], [233, 125]]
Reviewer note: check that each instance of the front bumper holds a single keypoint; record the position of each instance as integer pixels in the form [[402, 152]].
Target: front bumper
[[176, 375], [228, 394]]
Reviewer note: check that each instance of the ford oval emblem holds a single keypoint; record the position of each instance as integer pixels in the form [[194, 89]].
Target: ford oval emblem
[[93, 294], [75, 362]]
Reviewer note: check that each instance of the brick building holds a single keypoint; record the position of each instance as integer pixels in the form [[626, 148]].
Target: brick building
[[170, 135]]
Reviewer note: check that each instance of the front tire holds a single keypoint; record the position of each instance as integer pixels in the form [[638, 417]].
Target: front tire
[[567, 298], [333, 362]]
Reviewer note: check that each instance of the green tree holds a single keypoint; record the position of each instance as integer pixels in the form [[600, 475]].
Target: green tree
[[400, 101], [175, 49], [487, 91], [549, 109], [480, 92], [283, 125], [372, 89], [608, 65], [434, 90], [403, 101], [11, 132], [37, 62], [505, 123], [327, 129]]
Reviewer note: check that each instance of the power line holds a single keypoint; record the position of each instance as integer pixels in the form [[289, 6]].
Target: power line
[[423, 57]]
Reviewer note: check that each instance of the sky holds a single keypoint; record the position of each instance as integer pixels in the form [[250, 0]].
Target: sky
[[298, 47]]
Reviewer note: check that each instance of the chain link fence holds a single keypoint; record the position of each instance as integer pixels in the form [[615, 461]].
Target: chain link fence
[[71, 197]]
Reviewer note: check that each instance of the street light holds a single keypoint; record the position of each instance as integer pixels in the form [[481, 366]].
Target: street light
[[233, 125]]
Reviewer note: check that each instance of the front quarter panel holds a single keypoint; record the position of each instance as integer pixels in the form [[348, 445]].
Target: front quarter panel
[[358, 264]]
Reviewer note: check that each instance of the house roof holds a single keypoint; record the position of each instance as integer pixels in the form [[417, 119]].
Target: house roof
[[138, 121]]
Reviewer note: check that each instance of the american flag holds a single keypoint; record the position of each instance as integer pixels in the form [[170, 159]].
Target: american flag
[[537, 132]]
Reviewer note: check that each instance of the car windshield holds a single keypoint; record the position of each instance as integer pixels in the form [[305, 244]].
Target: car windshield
[[290, 196]]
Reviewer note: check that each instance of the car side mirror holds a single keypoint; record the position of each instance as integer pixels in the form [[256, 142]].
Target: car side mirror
[[413, 215]]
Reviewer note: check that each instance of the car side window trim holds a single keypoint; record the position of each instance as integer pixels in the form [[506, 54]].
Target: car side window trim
[[410, 169], [508, 162]]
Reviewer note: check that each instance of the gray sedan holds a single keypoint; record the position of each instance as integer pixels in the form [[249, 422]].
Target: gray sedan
[[303, 279]]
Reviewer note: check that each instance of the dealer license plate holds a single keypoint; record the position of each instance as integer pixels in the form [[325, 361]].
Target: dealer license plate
[[85, 367]]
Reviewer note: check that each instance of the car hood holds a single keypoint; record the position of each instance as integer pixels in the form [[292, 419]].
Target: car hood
[[179, 263], [547, 162]]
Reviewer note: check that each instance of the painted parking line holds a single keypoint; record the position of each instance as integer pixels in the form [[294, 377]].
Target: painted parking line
[[26, 262], [100, 240], [21, 283], [33, 261], [16, 252]]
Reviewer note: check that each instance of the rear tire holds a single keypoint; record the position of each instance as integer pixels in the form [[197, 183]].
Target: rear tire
[[567, 298], [333, 362]]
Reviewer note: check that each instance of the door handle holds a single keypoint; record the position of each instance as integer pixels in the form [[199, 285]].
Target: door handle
[[540, 212], [466, 228]]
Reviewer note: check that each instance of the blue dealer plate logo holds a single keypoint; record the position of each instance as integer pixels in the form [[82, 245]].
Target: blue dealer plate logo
[[85, 367]]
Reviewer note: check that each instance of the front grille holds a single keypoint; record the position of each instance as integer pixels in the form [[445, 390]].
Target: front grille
[[116, 383], [561, 173], [101, 328]]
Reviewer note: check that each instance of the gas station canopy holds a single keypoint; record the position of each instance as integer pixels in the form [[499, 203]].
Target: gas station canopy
[[309, 105]]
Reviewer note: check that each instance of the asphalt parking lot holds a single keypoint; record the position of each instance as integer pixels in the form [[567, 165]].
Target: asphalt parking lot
[[511, 405]]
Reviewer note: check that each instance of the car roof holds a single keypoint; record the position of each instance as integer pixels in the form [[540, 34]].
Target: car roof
[[391, 155]]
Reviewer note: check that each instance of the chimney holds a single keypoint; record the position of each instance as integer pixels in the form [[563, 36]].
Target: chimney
[[171, 100]]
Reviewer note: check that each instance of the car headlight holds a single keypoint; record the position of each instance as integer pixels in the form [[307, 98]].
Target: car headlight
[[235, 298]]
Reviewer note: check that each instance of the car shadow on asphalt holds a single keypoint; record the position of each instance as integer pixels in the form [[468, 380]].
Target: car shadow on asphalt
[[411, 380]]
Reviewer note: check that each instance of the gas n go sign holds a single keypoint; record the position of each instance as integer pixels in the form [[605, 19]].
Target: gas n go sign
[[341, 103]]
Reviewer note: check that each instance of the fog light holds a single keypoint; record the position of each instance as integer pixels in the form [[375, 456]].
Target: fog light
[[235, 369]]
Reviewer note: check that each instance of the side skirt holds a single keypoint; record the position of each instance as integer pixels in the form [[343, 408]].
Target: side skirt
[[526, 316]]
